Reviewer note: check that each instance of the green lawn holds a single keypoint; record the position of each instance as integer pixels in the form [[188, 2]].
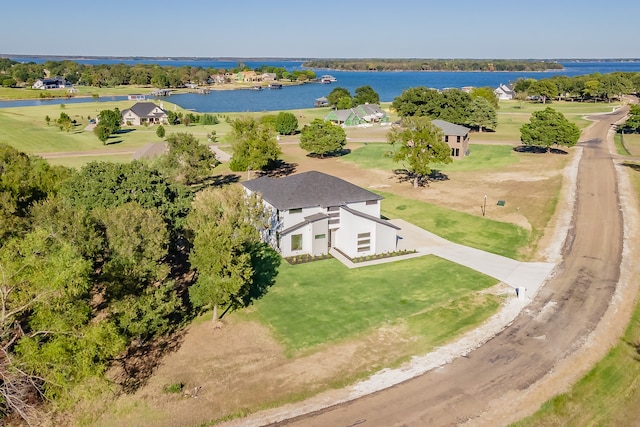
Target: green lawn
[[631, 142], [26, 129], [324, 301], [511, 117], [79, 161], [478, 232], [481, 157]]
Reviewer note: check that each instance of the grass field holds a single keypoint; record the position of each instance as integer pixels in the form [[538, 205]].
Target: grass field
[[609, 394], [513, 114], [478, 232], [324, 301], [481, 157], [631, 142]]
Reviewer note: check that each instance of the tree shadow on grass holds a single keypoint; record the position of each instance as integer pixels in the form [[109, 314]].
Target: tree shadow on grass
[[265, 262], [537, 149], [279, 168], [634, 166], [337, 153], [114, 142], [403, 175]]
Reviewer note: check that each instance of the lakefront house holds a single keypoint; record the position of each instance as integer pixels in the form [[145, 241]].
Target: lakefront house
[[144, 113], [456, 137], [313, 213]]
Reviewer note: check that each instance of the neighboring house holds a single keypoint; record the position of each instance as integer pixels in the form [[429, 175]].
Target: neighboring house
[[248, 76], [504, 92], [456, 136], [322, 102], [144, 112], [268, 77], [360, 115], [313, 212], [53, 83]]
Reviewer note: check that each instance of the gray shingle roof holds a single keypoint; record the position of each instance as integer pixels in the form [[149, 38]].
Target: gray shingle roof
[[143, 109], [307, 220], [370, 217], [451, 128], [308, 189]]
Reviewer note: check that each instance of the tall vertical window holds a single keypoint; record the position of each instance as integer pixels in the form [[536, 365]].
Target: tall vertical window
[[296, 242]]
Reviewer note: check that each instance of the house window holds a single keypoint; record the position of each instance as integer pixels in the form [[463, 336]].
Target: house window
[[333, 208], [295, 211], [364, 248], [446, 138], [334, 221], [458, 138], [453, 152], [371, 202], [296, 242], [457, 152], [320, 236], [363, 235], [364, 242]]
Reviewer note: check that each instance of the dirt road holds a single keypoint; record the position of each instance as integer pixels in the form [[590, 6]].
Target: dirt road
[[494, 377]]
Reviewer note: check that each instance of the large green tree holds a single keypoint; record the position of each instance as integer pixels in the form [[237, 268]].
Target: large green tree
[[366, 95], [482, 115], [286, 123], [487, 93], [224, 225], [549, 127], [321, 137], [188, 161], [417, 144], [254, 145], [336, 94], [48, 344]]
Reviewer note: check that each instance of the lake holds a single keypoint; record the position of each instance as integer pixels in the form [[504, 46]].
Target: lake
[[386, 83]]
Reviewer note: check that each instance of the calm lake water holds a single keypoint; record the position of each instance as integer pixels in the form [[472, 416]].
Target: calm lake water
[[387, 84]]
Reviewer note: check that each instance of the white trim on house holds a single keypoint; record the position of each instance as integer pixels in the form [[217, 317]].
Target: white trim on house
[[313, 212]]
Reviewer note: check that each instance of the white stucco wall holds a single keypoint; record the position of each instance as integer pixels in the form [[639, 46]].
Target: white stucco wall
[[347, 235]]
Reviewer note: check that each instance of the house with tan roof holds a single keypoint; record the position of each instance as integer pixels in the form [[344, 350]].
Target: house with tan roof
[[313, 213]]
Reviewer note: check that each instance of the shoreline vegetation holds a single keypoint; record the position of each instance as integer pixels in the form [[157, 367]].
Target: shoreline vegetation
[[433, 65]]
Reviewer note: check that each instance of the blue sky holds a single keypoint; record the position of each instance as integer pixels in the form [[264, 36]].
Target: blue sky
[[324, 29]]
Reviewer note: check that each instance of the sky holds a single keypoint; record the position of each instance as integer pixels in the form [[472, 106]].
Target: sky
[[540, 29]]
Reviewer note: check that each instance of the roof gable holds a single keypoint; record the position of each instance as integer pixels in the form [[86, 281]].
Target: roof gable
[[308, 189], [145, 109], [451, 128]]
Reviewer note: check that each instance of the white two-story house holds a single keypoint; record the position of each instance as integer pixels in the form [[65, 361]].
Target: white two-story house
[[312, 212]]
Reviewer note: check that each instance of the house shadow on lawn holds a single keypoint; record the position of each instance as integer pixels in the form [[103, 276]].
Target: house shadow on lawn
[[536, 149], [403, 175]]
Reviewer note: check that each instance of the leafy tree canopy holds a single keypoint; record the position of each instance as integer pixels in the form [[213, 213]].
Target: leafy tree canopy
[[418, 144], [254, 145], [549, 127], [366, 95], [223, 226], [321, 137], [286, 123], [337, 93], [188, 161], [103, 184]]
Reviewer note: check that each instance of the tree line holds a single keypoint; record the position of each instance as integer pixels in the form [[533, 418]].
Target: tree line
[[379, 64], [98, 263], [590, 87], [16, 74]]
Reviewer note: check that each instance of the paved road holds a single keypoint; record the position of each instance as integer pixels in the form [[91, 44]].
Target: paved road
[[554, 325]]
